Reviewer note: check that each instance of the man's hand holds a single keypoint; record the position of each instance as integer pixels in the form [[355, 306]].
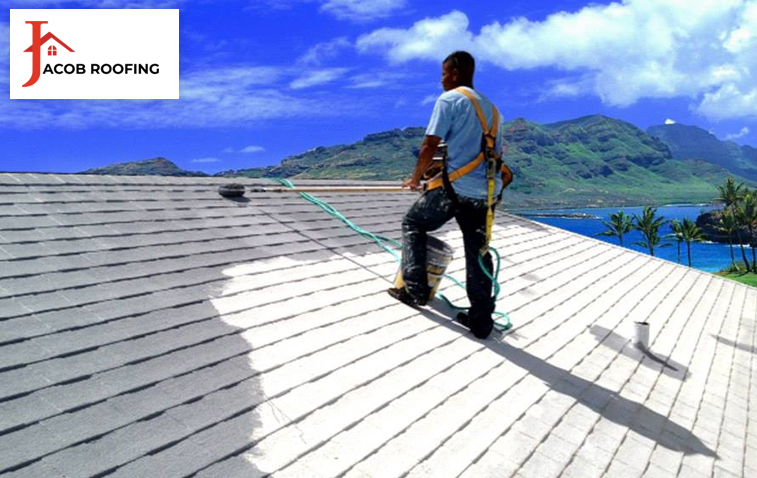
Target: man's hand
[[413, 184], [425, 158]]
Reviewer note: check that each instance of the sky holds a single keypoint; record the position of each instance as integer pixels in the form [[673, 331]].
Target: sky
[[261, 80]]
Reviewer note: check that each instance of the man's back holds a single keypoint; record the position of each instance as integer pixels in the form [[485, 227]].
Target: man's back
[[455, 121]]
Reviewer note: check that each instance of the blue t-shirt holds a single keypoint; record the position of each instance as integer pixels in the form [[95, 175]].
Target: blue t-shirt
[[455, 121]]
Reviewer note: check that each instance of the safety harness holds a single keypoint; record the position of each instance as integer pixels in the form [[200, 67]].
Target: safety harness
[[494, 163]]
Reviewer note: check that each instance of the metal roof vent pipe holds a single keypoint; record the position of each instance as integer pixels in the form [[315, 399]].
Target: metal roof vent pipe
[[641, 335]]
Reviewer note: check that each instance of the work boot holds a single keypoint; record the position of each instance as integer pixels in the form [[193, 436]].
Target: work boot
[[481, 329], [402, 295]]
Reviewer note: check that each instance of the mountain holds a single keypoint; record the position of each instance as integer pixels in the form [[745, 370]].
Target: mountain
[[588, 161], [148, 167], [691, 142], [381, 156]]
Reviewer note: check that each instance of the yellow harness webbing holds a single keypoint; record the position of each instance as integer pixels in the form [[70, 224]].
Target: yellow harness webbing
[[490, 134]]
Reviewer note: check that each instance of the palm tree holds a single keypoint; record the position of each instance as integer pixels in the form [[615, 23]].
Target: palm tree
[[649, 225], [728, 226], [677, 228], [691, 233], [731, 194], [746, 215], [618, 225]]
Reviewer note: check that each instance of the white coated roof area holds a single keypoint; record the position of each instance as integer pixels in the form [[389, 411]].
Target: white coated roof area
[[151, 328]]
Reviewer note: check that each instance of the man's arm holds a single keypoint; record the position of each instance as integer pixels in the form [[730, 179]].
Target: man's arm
[[425, 157]]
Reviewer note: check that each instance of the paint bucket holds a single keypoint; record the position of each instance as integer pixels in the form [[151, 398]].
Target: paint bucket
[[641, 335], [438, 256]]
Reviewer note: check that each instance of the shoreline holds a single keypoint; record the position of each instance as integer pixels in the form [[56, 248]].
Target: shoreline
[[541, 211], [568, 208], [577, 215]]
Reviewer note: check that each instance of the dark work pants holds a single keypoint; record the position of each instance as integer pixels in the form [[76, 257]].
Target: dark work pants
[[430, 212]]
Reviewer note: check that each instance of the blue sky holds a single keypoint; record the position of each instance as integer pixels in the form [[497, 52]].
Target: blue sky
[[265, 79]]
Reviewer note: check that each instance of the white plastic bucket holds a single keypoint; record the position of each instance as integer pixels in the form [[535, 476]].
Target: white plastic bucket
[[438, 256]]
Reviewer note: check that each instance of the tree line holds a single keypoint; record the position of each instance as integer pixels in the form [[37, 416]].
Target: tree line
[[740, 212]]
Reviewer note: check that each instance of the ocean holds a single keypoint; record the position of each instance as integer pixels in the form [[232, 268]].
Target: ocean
[[707, 256]]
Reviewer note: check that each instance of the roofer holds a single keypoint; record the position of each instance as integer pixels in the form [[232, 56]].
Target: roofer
[[457, 119]]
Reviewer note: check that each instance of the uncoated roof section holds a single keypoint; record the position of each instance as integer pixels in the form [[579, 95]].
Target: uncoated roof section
[[149, 327]]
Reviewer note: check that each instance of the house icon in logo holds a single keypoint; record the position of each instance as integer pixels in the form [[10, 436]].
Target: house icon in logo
[[51, 50]]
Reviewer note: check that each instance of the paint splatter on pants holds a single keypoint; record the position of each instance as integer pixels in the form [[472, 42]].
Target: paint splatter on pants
[[430, 212]]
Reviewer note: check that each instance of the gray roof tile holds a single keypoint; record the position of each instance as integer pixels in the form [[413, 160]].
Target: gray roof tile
[[12, 330], [114, 449], [9, 179], [11, 307], [248, 338]]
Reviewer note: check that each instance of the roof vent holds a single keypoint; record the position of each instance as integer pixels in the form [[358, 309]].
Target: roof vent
[[233, 190]]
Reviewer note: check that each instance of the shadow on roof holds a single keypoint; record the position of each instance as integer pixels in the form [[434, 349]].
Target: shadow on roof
[[731, 343], [237, 199], [605, 402], [613, 407], [618, 343]]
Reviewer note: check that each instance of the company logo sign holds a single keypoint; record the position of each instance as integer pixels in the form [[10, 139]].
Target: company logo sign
[[94, 54]]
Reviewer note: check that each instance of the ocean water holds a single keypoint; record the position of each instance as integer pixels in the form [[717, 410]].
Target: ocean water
[[708, 256]]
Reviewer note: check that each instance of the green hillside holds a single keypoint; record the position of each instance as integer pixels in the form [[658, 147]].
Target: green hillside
[[148, 167], [382, 156], [589, 161], [691, 142]]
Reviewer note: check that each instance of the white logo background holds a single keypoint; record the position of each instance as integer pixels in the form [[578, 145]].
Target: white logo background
[[97, 36]]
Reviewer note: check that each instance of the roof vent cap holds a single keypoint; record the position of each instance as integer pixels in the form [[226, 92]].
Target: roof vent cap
[[233, 190]]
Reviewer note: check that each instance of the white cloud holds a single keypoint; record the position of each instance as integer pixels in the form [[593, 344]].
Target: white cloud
[[362, 10], [247, 149], [5, 52], [367, 81], [670, 121], [430, 39], [565, 89], [5, 46], [351, 10], [317, 77], [430, 99], [98, 3], [205, 160], [568, 87], [320, 52], [252, 149], [212, 84], [219, 97], [729, 101], [379, 79], [744, 131], [621, 52]]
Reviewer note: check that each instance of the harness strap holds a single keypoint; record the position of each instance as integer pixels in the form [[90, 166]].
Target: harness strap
[[490, 133], [437, 181], [480, 113]]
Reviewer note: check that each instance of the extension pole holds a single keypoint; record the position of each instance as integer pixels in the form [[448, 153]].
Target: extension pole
[[333, 189]]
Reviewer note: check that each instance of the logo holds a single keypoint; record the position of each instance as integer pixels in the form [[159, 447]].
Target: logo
[[35, 49], [94, 54]]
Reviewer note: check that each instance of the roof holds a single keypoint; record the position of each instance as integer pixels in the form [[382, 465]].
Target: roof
[[150, 327], [44, 39]]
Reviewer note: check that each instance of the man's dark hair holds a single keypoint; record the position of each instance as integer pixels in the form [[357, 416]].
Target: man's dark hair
[[464, 63]]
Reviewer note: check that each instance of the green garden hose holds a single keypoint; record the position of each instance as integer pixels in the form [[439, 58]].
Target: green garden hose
[[503, 323]]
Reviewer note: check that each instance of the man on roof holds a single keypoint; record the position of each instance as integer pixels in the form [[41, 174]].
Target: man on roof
[[455, 120]]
